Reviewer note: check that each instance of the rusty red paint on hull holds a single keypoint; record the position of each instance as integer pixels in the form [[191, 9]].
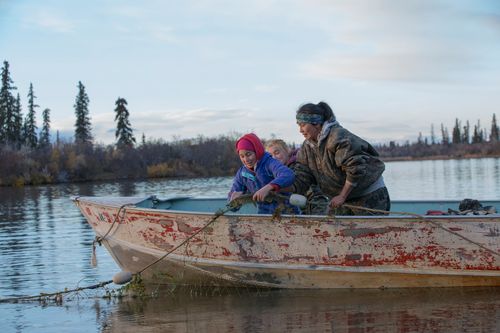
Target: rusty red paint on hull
[[379, 244], [370, 232]]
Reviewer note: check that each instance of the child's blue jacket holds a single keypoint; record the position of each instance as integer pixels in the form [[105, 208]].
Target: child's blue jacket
[[267, 171]]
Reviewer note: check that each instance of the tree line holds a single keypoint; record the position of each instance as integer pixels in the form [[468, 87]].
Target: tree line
[[464, 142], [29, 155]]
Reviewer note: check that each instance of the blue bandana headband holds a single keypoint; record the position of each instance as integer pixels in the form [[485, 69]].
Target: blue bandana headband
[[309, 118]]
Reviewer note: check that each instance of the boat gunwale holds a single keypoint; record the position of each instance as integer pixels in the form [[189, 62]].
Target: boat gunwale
[[405, 217]]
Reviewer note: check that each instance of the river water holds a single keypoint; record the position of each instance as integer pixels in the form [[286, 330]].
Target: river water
[[45, 246]]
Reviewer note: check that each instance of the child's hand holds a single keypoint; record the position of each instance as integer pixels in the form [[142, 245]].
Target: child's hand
[[261, 194], [235, 195]]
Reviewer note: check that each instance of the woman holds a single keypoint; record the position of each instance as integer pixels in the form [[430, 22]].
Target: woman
[[344, 166]]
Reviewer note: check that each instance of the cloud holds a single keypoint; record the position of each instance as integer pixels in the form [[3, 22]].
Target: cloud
[[396, 41], [265, 88], [162, 33], [137, 22], [404, 66], [182, 123], [129, 11], [217, 91], [51, 20]]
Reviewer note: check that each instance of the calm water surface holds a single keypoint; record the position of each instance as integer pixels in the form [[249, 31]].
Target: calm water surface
[[45, 246]]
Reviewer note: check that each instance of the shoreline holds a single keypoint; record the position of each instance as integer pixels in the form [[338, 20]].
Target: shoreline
[[436, 158], [107, 177]]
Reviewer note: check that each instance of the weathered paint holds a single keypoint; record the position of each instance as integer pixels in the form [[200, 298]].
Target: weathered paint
[[304, 252]]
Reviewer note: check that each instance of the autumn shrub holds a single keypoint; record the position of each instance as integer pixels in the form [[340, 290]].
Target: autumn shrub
[[160, 170]]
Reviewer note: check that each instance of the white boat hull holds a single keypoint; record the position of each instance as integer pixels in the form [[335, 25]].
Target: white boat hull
[[298, 251]]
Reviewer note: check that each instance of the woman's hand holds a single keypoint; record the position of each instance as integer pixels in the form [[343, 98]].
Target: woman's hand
[[337, 201], [340, 199], [261, 194]]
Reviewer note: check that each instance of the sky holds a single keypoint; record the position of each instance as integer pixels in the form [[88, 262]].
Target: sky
[[388, 68]]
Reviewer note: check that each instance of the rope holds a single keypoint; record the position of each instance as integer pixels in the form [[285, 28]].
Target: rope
[[56, 294], [98, 239], [216, 216], [434, 223], [234, 204], [59, 294]]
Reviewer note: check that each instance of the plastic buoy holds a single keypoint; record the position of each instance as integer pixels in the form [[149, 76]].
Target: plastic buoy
[[298, 200], [122, 277]]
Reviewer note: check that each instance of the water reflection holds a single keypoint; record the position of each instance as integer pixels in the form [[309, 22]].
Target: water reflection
[[444, 179], [420, 310], [45, 245], [126, 188]]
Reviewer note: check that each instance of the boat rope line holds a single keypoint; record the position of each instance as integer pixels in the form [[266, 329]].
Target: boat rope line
[[231, 206], [217, 214], [421, 217], [57, 296], [99, 239]]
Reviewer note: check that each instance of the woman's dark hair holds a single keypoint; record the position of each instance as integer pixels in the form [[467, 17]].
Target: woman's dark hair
[[322, 109]]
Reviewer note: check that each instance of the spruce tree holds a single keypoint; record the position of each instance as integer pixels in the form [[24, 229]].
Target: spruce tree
[[420, 139], [12, 135], [466, 133], [83, 129], [445, 135], [433, 135], [494, 135], [45, 133], [455, 136], [477, 137], [123, 132], [30, 128], [7, 102], [18, 137]]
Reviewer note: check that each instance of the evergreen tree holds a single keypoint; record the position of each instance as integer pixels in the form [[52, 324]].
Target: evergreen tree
[[123, 132], [30, 128], [455, 136], [45, 133], [143, 141], [12, 129], [420, 139], [477, 137], [494, 135], [18, 137], [7, 102], [433, 135], [465, 134], [83, 128], [445, 135]]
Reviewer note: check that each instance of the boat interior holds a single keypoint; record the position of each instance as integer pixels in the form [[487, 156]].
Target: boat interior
[[421, 207]]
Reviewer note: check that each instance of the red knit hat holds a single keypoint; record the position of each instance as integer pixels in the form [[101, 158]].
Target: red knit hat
[[251, 142], [245, 145]]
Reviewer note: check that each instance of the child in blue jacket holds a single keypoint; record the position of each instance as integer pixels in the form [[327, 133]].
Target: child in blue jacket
[[259, 174]]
